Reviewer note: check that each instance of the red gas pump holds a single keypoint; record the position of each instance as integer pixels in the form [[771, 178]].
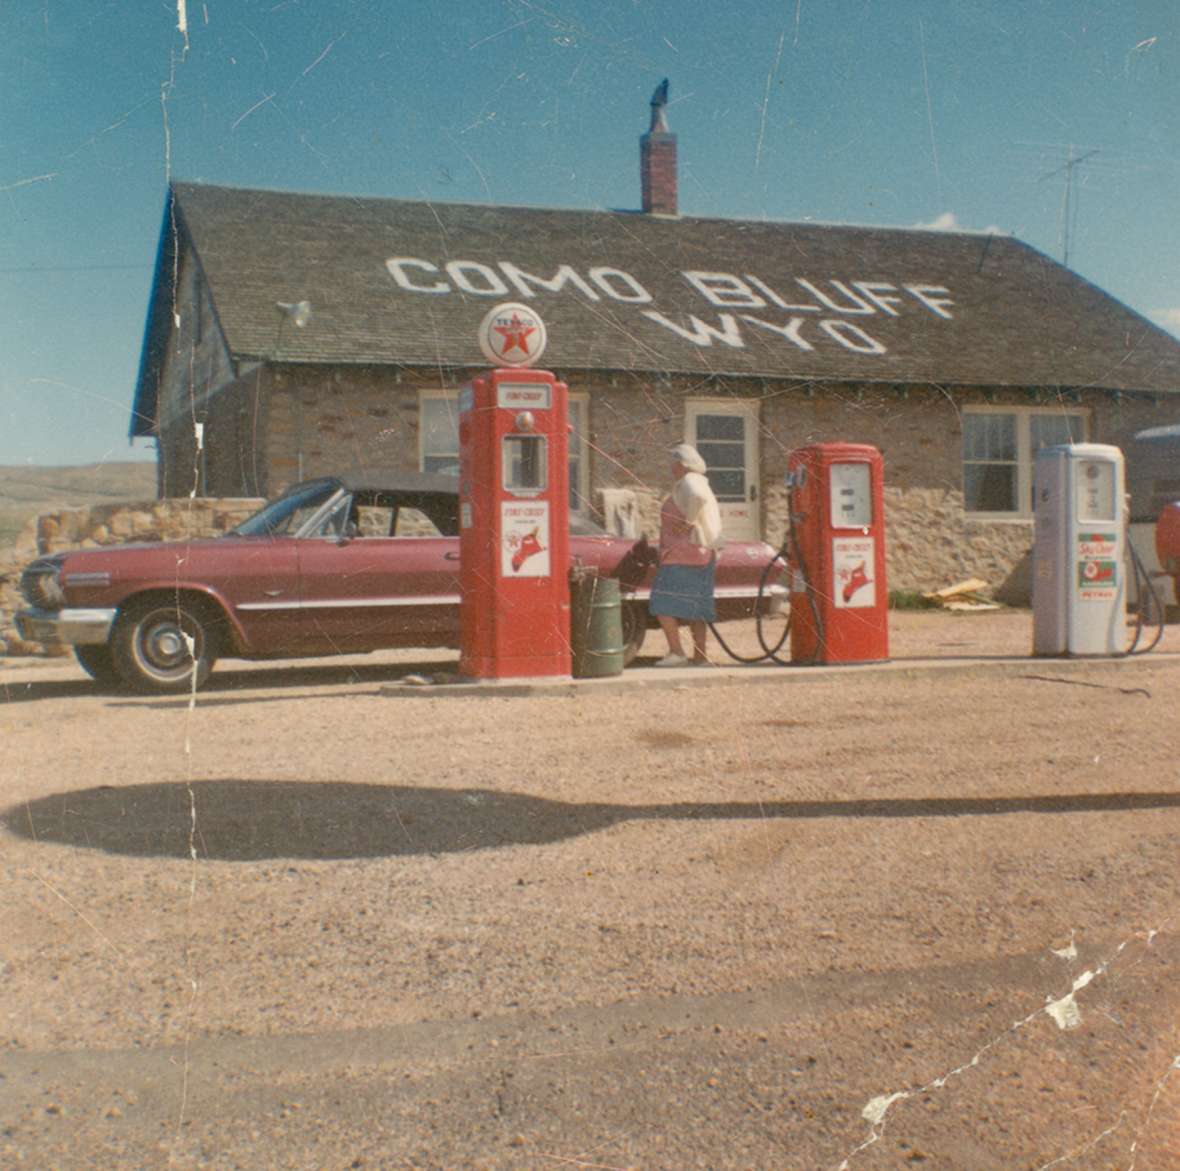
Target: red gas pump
[[513, 526], [839, 600]]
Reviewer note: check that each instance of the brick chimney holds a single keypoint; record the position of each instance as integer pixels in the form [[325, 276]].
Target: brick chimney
[[657, 159]]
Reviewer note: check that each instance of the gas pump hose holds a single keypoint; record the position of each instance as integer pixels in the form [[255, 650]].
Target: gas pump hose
[[790, 545], [768, 652], [1145, 587]]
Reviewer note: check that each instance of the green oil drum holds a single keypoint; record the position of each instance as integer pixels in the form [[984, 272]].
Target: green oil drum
[[596, 626]]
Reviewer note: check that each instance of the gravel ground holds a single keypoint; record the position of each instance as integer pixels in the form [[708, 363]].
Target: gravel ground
[[677, 927]]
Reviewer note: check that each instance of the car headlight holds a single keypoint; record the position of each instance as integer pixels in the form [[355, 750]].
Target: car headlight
[[41, 584]]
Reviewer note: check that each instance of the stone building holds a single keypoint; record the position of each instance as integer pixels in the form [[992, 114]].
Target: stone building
[[290, 335]]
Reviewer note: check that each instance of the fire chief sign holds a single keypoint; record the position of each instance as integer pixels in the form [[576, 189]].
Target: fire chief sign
[[852, 562], [524, 533]]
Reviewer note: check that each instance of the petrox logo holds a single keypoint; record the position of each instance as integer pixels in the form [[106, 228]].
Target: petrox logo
[[799, 311]]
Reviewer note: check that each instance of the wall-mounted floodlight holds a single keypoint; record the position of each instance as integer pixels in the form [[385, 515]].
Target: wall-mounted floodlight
[[297, 312]]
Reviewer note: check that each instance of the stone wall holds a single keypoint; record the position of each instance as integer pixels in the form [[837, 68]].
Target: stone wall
[[155, 520], [107, 524], [930, 541], [319, 420], [324, 423]]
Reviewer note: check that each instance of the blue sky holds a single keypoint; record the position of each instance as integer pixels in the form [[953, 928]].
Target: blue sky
[[955, 112]]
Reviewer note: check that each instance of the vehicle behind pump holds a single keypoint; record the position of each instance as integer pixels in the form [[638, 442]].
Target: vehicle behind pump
[[1167, 544], [337, 565]]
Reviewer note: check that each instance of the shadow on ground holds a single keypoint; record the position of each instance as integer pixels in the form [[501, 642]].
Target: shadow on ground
[[225, 686], [249, 821], [25, 691]]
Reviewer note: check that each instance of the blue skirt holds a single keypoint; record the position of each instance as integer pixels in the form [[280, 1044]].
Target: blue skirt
[[684, 591]]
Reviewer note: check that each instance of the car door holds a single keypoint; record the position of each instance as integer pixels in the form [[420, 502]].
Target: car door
[[259, 579], [366, 585]]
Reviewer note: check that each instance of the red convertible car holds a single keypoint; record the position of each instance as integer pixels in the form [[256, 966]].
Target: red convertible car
[[334, 566]]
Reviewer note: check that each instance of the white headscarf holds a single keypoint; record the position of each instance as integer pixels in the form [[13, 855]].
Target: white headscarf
[[689, 458]]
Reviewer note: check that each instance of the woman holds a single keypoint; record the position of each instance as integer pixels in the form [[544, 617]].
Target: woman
[[690, 535]]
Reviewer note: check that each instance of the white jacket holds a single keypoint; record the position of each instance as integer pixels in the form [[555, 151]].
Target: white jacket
[[694, 497]]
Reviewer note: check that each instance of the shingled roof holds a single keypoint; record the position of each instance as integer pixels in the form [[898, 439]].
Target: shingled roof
[[407, 283]]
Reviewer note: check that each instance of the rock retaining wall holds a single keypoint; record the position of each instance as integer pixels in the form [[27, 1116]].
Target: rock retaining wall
[[107, 524]]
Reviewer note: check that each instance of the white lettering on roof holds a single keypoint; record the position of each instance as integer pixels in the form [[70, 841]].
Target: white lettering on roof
[[763, 287], [397, 266], [604, 278], [934, 304], [564, 275], [723, 289], [790, 331], [702, 333], [859, 304], [841, 298], [851, 336], [878, 293], [493, 286]]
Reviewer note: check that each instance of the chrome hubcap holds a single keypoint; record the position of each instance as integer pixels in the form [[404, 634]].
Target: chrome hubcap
[[168, 644], [164, 649]]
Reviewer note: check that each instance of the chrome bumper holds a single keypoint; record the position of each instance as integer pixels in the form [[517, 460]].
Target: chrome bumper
[[75, 627]]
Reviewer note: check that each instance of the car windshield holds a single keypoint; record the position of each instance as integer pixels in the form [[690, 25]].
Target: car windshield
[[285, 516], [583, 526], [288, 515]]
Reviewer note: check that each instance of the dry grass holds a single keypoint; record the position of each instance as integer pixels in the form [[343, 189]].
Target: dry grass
[[26, 491]]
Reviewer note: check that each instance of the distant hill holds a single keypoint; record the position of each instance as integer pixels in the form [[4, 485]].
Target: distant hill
[[27, 490]]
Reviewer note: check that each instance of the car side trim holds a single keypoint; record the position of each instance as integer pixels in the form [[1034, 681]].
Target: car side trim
[[336, 603], [718, 592], [98, 578], [454, 600]]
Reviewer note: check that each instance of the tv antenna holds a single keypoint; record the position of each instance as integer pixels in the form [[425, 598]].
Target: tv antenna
[[1071, 163]]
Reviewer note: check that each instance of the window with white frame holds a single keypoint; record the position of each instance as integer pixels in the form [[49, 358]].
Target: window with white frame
[[438, 440], [999, 447], [579, 417], [438, 432]]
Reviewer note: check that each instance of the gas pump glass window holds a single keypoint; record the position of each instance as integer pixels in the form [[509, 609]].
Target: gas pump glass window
[[1050, 431], [525, 464], [851, 501], [1095, 490]]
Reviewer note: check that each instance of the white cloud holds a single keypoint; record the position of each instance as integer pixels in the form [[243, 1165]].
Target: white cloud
[[1168, 318], [949, 222]]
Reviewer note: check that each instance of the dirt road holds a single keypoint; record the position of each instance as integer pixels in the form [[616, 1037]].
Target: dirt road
[[914, 917]]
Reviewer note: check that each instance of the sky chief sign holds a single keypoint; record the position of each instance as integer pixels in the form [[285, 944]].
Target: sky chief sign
[[802, 312]]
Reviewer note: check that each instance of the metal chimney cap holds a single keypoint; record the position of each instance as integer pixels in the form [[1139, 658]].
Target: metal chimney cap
[[659, 104]]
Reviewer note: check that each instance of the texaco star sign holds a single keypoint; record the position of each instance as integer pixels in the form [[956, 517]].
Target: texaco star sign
[[512, 335]]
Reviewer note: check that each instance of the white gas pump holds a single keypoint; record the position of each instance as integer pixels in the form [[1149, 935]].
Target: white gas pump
[[1079, 548]]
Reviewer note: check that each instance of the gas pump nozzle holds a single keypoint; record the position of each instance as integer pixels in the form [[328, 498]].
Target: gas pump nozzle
[[633, 567]]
